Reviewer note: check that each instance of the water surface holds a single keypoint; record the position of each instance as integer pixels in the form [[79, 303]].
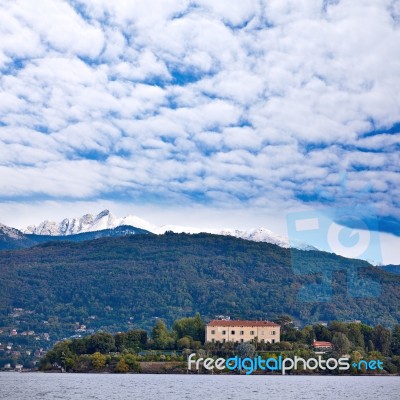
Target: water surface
[[20, 386]]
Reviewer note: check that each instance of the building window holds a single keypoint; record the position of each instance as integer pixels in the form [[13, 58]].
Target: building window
[[251, 332], [212, 340], [223, 340], [273, 332], [242, 332], [212, 332], [224, 332], [232, 332], [273, 341], [241, 340]]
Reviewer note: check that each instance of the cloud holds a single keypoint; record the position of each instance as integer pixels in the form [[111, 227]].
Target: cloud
[[255, 104]]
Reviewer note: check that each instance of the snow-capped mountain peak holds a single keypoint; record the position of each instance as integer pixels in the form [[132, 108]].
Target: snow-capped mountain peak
[[106, 220], [10, 232], [87, 223]]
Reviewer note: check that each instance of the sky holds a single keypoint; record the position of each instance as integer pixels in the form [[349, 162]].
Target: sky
[[229, 113]]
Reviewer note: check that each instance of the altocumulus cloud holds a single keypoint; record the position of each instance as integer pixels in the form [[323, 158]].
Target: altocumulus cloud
[[241, 102]]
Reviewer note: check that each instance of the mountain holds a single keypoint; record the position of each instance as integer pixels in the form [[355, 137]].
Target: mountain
[[122, 230], [87, 223], [116, 283], [106, 220], [394, 269], [11, 238]]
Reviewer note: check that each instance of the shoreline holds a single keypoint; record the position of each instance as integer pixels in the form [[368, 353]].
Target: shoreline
[[93, 372]]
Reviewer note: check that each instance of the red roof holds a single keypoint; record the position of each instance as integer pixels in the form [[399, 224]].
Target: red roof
[[219, 322], [321, 344]]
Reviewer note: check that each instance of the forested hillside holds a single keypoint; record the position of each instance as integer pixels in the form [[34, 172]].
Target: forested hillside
[[117, 283]]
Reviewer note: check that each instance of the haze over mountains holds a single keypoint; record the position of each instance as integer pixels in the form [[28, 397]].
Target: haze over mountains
[[106, 220]]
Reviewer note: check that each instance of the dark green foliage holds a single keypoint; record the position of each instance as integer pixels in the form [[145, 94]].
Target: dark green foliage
[[192, 327], [61, 354], [355, 335], [322, 333], [134, 340], [381, 339], [184, 342], [396, 340], [71, 355], [341, 344], [134, 279], [161, 337], [101, 342], [79, 346]]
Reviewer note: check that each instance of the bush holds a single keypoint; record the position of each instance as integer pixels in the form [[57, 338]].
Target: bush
[[122, 366], [98, 360]]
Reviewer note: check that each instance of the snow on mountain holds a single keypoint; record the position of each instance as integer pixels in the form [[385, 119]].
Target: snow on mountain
[[10, 232], [87, 223], [106, 220], [255, 235]]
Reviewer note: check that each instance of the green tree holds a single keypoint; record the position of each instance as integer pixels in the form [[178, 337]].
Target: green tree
[[382, 339], [136, 339], [78, 346], [370, 346], [131, 360], [309, 334], [340, 343], [59, 353], [119, 339], [101, 342], [338, 327], [185, 342], [68, 360], [322, 333], [284, 320], [162, 339], [395, 345], [367, 332], [355, 335], [192, 326]]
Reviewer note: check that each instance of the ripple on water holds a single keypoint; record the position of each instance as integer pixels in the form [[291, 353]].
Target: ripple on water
[[15, 386]]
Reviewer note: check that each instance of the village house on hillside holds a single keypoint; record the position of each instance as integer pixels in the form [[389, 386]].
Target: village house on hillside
[[239, 331], [321, 346]]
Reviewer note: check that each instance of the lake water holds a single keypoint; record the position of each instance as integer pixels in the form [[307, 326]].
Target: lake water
[[21, 386]]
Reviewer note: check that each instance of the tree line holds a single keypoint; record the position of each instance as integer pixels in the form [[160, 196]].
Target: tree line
[[123, 351]]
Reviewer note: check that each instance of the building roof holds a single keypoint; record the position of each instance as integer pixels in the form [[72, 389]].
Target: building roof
[[321, 344], [218, 322]]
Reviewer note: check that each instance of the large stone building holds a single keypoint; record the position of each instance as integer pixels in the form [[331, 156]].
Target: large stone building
[[240, 331]]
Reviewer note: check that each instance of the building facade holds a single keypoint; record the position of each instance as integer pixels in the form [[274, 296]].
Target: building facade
[[321, 346], [241, 331]]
